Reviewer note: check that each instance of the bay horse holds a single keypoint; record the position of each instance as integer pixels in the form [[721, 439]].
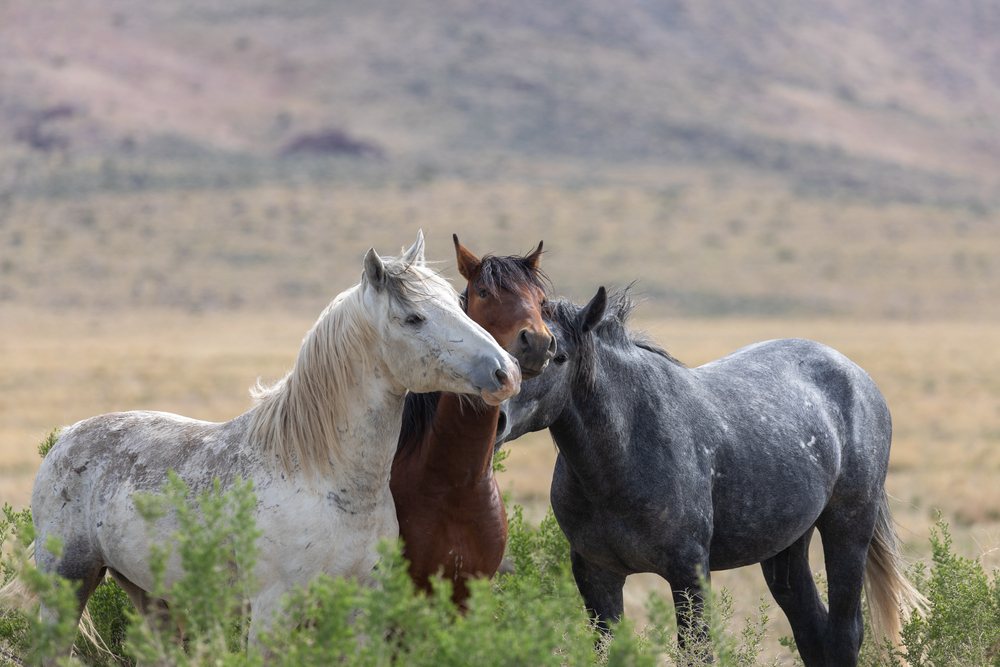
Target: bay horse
[[318, 445], [451, 516], [681, 471]]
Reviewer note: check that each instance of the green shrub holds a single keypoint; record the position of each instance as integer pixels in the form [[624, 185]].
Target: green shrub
[[962, 624], [45, 445], [13, 622], [534, 616], [216, 542]]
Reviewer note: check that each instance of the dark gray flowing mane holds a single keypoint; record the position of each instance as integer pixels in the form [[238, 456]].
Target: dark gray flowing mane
[[613, 330]]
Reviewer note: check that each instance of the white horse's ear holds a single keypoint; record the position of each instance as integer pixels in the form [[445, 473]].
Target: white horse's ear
[[594, 312], [415, 255], [374, 269]]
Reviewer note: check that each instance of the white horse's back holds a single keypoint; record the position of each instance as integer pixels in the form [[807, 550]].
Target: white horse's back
[[83, 490]]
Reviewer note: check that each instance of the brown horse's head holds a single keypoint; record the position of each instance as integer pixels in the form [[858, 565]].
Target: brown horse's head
[[505, 296]]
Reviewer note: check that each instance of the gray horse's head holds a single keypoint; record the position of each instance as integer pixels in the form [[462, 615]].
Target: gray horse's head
[[543, 399]]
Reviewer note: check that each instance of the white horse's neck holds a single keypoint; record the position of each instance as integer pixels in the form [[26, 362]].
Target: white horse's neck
[[336, 415]]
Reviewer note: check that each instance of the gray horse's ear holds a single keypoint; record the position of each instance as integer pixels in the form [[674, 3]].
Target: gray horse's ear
[[374, 269], [415, 255], [594, 312]]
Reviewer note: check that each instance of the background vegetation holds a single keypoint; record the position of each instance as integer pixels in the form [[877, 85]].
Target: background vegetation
[[532, 616]]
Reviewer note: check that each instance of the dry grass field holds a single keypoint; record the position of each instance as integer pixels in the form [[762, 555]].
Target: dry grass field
[[940, 380], [700, 243]]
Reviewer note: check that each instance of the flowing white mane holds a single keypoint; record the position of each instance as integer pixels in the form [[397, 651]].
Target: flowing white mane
[[302, 418]]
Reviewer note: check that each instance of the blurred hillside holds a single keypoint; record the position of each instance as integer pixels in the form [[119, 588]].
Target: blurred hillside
[[738, 156]]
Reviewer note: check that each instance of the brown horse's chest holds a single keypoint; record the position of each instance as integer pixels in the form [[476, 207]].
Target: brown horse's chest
[[456, 536]]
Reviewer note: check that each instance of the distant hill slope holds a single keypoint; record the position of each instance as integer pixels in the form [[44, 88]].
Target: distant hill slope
[[767, 84]]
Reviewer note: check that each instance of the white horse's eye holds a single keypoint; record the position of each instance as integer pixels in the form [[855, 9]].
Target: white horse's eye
[[415, 319]]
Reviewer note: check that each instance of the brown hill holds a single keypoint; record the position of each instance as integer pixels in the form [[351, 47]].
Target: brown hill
[[760, 157], [774, 85]]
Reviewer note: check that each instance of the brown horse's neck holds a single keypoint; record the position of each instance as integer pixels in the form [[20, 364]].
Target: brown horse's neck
[[459, 446]]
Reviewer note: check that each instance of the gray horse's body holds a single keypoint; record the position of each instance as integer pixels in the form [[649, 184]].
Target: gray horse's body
[[680, 471]]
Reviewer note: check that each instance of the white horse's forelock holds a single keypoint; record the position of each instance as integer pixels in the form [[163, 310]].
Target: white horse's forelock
[[299, 419]]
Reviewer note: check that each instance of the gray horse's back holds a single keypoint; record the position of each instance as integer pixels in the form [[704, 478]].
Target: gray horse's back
[[800, 428]]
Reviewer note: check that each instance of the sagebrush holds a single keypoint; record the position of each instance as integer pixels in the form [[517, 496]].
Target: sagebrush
[[534, 616]]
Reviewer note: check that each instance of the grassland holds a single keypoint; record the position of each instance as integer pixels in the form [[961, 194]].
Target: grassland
[[700, 242]]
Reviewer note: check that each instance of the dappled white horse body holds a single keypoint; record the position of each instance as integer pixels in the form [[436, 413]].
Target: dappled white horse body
[[318, 445]]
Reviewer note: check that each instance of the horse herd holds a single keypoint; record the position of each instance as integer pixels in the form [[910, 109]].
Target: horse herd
[[402, 391]]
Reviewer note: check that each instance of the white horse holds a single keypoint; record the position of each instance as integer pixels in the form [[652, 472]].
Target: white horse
[[318, 445]]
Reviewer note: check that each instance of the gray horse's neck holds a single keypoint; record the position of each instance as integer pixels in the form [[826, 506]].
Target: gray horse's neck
[[595, 435]]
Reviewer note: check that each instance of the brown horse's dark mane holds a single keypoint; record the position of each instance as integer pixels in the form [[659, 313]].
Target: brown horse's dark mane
[[510, 273], [497, 273], [418, 418]]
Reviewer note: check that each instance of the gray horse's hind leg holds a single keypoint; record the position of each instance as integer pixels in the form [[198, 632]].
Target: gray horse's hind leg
[[845, 546], [790, 581]]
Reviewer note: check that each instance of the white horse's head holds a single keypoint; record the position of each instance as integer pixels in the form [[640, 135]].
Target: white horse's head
[[428, 342]]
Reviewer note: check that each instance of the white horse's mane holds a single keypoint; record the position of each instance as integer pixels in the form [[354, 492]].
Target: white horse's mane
[[297, 417]]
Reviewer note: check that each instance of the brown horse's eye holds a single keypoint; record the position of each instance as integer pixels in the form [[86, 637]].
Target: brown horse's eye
[[483, 294]]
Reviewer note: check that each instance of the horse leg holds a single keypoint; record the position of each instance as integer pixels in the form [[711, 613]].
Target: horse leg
[[689, 581], [601, 591], [790, 581], [845, 545], [79, 566], [263, 607], [154, 610]]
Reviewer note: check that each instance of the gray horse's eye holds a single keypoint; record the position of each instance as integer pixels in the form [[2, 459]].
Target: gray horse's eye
[[561, 358]]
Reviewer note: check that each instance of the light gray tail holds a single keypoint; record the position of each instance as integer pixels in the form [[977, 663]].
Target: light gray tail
[[891, 596]]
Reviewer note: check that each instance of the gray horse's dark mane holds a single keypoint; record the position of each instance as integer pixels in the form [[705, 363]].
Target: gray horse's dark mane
[[612, 329]]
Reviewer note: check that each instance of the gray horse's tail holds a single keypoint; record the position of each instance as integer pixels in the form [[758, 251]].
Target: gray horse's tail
[[891, 596], [15, 594]]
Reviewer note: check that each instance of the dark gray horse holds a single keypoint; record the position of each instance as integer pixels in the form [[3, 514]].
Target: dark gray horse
[[680, 471]]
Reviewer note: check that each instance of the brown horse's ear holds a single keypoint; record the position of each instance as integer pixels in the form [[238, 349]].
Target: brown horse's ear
[[468, 264], [535, 257]]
